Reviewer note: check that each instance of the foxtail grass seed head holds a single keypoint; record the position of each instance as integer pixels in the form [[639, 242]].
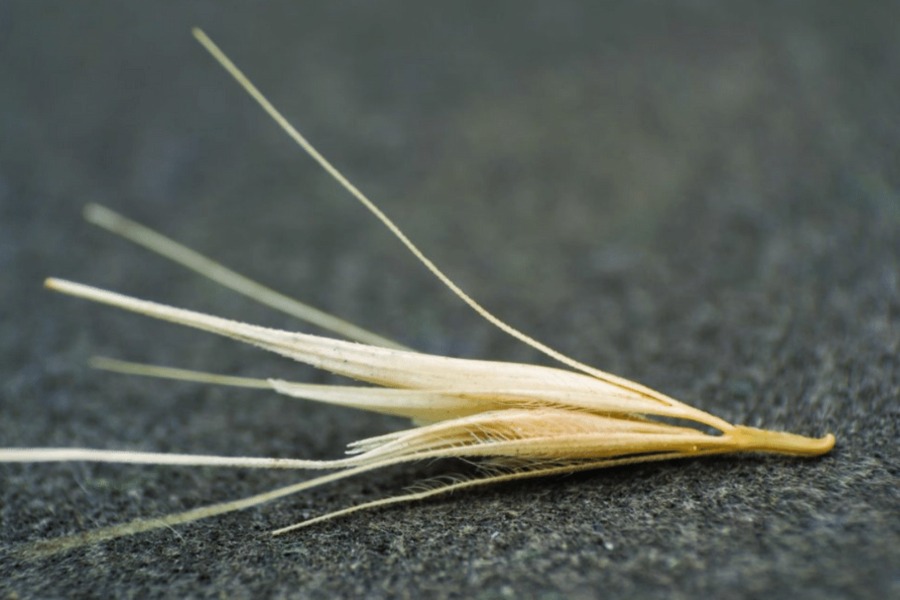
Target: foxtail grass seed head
[[515, 420]]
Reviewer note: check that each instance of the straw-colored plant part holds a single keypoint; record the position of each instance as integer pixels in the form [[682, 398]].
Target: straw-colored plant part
[[516, 420]]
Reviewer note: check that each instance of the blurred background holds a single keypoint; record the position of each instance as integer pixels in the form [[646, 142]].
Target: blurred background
[[701, 196]]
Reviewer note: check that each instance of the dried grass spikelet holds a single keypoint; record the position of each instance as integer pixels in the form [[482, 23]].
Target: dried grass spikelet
[[520, 420]]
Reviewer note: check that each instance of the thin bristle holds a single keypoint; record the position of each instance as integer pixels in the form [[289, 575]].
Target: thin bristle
[[168, 248], [143, 370], [560, 469], [33, 455]]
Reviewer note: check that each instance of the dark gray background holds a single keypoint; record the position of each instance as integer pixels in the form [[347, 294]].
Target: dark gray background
[[698, 196]]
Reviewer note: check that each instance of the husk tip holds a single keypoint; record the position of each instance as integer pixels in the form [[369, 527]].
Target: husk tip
[[751, 439]]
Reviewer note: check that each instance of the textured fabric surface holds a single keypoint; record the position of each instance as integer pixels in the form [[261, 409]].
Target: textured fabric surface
[[699, 197]]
